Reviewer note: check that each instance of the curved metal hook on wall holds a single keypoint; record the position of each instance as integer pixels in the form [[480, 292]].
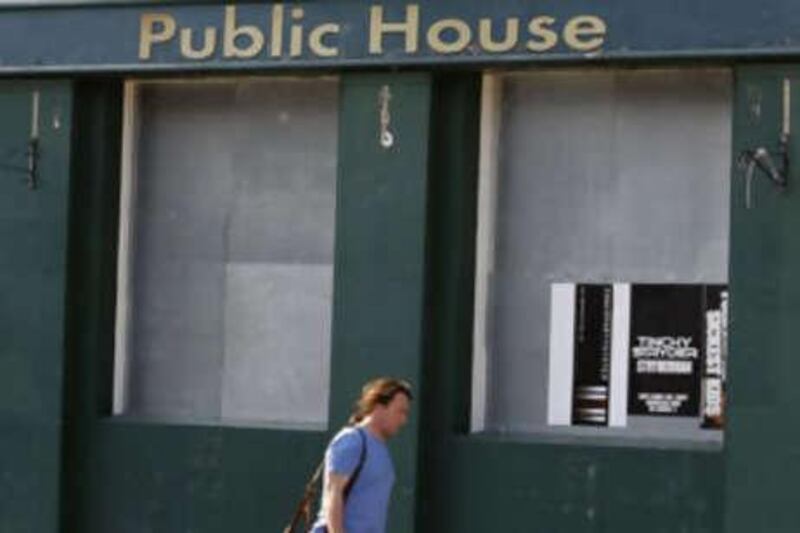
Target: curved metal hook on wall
[[760, 159]]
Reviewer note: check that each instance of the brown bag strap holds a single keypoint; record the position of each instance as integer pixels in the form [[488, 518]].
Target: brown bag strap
[[303, 510]]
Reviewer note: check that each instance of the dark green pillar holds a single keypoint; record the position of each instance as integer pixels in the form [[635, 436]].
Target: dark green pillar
[[33, 242], [763, 437], [380, 255]]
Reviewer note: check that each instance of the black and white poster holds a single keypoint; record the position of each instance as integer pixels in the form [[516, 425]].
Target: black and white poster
[[652, 350], [588, 354], [714, 357], [667, 332], [592, 367]]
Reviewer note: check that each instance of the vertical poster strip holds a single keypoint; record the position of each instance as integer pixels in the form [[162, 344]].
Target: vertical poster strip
[[620, 346], [562, 327], [593, 315], [715, 355]]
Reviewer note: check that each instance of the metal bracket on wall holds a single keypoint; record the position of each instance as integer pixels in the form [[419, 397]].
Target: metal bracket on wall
[[32, 149], [760, 158]]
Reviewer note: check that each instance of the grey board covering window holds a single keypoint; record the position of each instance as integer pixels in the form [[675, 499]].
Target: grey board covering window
[[593, 176], [228, 267]]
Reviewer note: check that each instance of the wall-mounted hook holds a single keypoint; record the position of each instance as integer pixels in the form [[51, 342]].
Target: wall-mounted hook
[[33, 144], [760, 158], [385, 136], [31, 169]]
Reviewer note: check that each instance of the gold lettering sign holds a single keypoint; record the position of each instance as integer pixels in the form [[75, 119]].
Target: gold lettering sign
[[285, 33]]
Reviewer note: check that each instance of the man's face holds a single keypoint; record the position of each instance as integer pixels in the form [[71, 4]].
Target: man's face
[[394, 415]]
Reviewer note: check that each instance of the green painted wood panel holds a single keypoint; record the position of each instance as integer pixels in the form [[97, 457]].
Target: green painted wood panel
[[480, 483], [33, 251], [763, 447], [379, 282]]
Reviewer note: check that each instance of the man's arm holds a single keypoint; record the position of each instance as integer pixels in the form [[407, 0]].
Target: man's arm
[[334, 496]]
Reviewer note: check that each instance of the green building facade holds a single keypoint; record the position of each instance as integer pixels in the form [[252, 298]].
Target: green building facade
[[218, 220]]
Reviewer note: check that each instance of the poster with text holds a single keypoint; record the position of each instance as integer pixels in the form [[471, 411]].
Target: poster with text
[[588, 354], [593, 312], [667, 345], [630, 350], [715, 355]]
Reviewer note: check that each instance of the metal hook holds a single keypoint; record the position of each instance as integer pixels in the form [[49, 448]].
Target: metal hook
[[385, 137], [760, 158], [33, 144]]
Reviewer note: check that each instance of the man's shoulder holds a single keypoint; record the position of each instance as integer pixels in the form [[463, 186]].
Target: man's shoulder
[[347, 437], [344, 451]]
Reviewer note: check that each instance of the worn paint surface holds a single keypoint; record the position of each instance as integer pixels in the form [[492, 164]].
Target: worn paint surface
[[763, 438], [33, 252], [380, 256]]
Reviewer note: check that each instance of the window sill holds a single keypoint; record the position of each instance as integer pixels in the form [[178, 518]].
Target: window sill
[[609, 438], [189, 422]]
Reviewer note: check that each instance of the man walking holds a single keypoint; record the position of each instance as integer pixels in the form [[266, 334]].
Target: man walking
[[359, 473]]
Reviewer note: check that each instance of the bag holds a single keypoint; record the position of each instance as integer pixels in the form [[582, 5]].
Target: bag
[[303, 510]]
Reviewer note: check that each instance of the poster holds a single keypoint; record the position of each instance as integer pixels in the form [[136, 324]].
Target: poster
[[715, 357], [593, 309], [644, 350], [588, 354], [667, 331]]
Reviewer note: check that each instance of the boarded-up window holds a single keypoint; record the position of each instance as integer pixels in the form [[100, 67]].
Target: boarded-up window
[[227, 251], [594, 183]]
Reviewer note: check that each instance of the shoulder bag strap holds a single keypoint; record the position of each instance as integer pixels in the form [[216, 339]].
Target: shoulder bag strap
[[361, 460], [303, 510]]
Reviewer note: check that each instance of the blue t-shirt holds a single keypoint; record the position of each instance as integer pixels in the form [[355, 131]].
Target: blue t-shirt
[[368, 503]]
